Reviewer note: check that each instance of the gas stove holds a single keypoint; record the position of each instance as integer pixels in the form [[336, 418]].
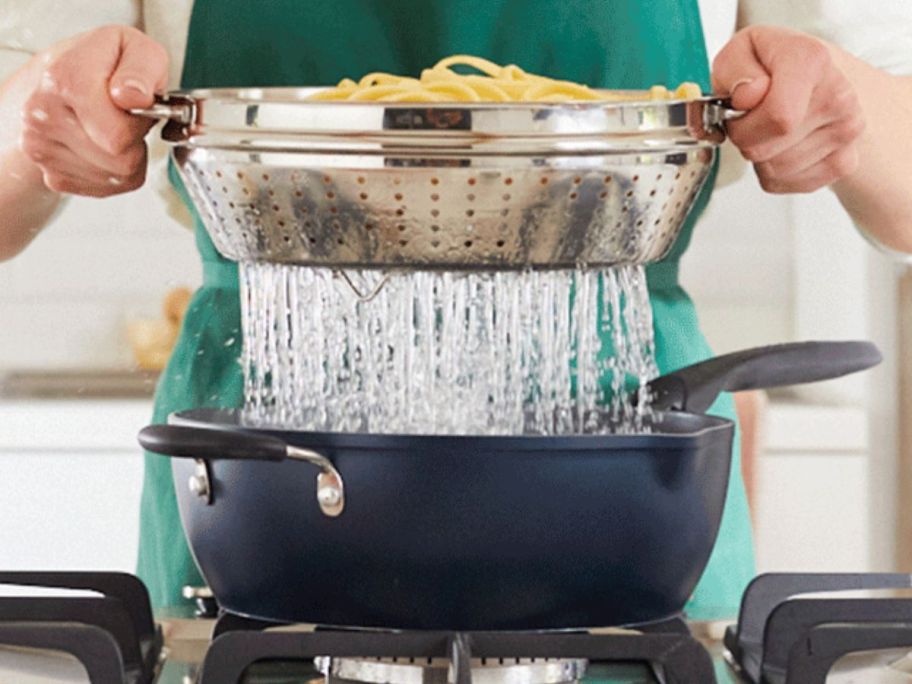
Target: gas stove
[[792, 629]]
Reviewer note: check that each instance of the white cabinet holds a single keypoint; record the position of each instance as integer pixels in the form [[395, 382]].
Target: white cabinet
[[70, 483], [811, 507]]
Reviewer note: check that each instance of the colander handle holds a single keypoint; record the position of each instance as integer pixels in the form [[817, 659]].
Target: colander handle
[[719, 110], [178, 108]]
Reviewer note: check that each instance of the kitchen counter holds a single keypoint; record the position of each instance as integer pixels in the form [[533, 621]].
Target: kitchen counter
[[110, 383]]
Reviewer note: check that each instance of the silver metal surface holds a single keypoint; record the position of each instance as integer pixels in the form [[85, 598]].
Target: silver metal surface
[[464, 185], [174, 108], [192, 593], [436, 671], [199, 482], [330, 488]]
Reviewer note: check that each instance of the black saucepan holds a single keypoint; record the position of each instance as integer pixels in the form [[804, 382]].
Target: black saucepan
[[472, 532]]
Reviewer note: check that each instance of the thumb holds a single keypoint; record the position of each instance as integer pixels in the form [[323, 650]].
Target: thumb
[[738, 72], [141, 71]]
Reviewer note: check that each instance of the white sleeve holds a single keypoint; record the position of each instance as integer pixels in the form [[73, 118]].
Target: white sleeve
[[29, 26], [876, 31]]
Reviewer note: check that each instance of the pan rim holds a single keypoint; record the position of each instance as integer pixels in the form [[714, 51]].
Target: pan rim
[[228, 419]]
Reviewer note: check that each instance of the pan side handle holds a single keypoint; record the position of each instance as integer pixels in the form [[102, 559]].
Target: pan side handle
[[202, 444], [696, 387]]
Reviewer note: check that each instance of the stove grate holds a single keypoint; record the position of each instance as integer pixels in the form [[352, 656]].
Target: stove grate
[[676, 655], [782, 638], [112, 635]]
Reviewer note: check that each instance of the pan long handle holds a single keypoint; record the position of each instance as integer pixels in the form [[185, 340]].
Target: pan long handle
[[218, 444], [696, 387]]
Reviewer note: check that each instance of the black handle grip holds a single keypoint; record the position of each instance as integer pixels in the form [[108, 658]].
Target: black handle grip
[[190, 442], [696, 387]]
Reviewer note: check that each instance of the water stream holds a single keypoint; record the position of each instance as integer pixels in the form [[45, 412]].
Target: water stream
[[436, 352]]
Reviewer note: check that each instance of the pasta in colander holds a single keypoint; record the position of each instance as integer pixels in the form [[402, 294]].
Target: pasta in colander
[[495, 83]]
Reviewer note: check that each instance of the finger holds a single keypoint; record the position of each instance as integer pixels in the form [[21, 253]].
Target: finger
[[834, 103], [71, 163], [738, 72], [53, 121], [795, 64], [839, 164], [141, 72], [59, 163], [124, 164], [76, 185], [814, 148], [81, 76]]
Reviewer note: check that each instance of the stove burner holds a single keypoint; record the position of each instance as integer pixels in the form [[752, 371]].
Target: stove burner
[[782, 639], [439, 670], [380, 657]]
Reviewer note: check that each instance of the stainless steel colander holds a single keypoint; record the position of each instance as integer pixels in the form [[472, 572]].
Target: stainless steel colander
[[278, 178]]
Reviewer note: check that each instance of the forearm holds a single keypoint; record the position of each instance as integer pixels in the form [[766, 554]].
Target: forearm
[[878, 195], [26, 204]]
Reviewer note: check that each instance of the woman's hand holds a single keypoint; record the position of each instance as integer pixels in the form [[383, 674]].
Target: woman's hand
[[75, 127], [804, 119]]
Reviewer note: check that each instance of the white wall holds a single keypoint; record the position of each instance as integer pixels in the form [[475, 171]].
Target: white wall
[[739, 267], [64, 302], [766, 269]]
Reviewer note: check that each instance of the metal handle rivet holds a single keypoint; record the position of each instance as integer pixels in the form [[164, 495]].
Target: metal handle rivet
[[328, 496], [198, 486]]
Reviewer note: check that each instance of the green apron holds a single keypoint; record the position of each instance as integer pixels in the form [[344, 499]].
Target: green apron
[[607, 43]]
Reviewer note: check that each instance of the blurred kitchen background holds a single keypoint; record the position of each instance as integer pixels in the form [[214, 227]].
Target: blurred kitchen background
[[824, 461]]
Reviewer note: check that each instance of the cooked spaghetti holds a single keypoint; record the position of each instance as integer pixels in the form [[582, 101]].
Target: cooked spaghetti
[[494, 83]]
